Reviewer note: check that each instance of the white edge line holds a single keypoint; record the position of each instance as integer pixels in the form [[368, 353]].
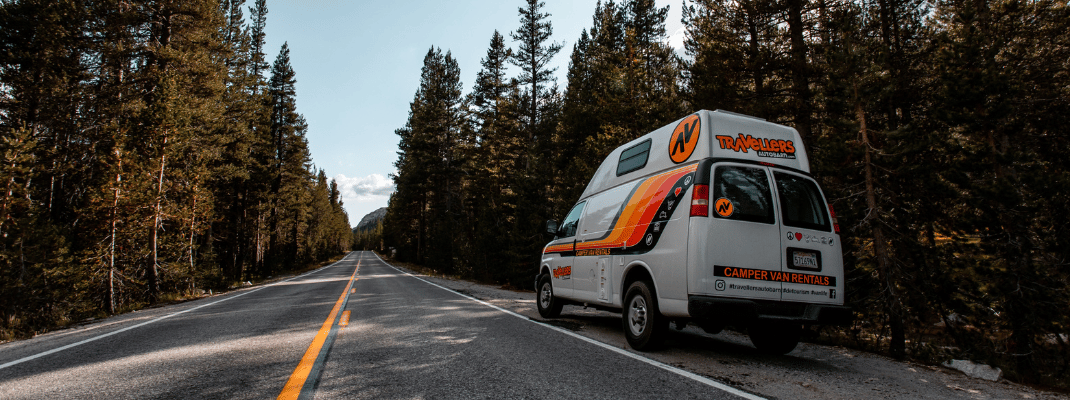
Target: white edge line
[[95, 338], [667, 367]]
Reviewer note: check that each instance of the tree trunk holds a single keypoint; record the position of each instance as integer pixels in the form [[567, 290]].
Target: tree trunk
[[880, 250], [799, 71], [259, 235], [420, 230], [754, 52], [192, 227], [114, 230], [153, 272]]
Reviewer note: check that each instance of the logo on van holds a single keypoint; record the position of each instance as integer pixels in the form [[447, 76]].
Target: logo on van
[[684, 139], [563, 272], [772, 148], [724, 207]]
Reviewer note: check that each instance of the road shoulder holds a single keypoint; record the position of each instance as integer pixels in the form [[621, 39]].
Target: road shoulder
[[810, 371]]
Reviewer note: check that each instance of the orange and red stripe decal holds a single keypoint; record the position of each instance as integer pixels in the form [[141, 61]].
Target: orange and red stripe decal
[[640, 209], [642, 206]]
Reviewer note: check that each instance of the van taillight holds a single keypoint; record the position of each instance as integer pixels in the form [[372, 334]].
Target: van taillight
[[835, 222], [700, 201]]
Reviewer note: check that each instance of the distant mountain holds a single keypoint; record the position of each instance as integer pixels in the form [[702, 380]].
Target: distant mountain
[[371, 220]]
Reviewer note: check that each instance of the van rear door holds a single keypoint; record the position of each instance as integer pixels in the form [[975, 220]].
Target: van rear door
[[813, 260], [744, 237]]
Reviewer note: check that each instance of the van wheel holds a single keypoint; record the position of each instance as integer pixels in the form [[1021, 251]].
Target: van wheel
[[644, 327], [775, 338], [549, 306]]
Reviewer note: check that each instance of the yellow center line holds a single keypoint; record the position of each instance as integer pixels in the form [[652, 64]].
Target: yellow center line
[[297, 380], [345, 319]]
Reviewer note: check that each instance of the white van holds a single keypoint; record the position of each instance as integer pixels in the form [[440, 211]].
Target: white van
[[712, 220]]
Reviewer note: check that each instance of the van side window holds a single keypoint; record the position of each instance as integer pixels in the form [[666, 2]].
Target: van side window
[[571, 222], [801, 204], [747, 192], [633, 158]]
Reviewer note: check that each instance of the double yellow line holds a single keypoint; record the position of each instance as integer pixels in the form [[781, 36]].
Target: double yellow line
[[300, 375]]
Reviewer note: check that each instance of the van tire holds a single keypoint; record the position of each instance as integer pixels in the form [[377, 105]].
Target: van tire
[[644, 326], [775, 338], [549, 306]]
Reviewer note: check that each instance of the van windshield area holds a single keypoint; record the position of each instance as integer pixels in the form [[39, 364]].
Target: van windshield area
[[801, 204], [742, 193], [571, 222]]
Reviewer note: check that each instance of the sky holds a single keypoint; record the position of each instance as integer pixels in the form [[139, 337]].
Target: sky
[[358, 67]]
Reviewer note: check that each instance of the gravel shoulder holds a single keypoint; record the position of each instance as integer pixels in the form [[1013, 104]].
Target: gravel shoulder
[[809, 371]]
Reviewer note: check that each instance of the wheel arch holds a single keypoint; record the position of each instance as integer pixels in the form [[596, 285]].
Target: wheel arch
[[637, 271], [545, 269]]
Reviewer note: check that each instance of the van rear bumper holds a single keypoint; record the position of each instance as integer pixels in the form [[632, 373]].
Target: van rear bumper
[[741, 311]]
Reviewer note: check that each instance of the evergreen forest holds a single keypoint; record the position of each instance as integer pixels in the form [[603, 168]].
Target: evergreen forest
[[149, 152], [937, 128]]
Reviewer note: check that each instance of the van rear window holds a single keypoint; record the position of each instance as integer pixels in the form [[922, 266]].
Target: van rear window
[[801, 204], [633, 158], [747, 193]]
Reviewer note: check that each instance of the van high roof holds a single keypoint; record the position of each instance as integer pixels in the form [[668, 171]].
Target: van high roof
[[719, 134]]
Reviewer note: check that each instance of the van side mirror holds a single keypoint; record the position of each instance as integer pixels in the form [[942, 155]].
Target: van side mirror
[[551, 227]]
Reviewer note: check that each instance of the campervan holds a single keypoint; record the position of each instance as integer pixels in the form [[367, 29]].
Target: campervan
[[713, 220]]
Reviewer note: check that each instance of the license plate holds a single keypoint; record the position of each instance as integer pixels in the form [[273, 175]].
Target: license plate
[[805, 259]]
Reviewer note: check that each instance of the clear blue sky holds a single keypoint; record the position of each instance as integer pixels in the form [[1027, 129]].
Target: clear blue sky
[[358, 67]]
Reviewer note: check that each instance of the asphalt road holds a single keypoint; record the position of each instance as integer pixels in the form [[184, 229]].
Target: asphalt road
[[404, 338], [242, 345]]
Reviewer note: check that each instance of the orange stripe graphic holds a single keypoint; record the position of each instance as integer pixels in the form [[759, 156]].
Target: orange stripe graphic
[[559, 248], [640, 210]]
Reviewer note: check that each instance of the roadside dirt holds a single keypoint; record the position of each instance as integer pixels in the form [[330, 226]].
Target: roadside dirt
[[810, 371]]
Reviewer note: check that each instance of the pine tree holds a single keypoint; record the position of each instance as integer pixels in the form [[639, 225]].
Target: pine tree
[[800, 69], [994, 94], [132, 144], [320, 219], [290, 175], [182, 92], [538, 102], [233, 169], [498, 150], [430, 165], [592, 102], [733, 49], [622, 84], [110, 232], [533, 56], [44, 61], [651, 72], [258, 63], [859, 126]]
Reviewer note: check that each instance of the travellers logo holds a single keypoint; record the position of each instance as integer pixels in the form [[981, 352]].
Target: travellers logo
[[563, 272], [724, 207], [684, 139], [772, 148]]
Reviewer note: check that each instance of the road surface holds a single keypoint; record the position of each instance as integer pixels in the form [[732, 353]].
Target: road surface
[[358, 328]]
